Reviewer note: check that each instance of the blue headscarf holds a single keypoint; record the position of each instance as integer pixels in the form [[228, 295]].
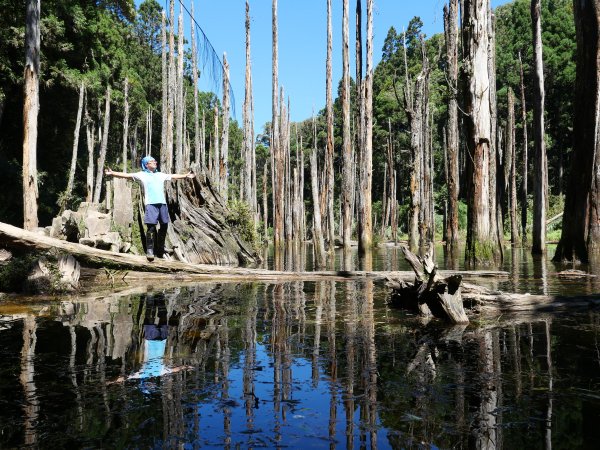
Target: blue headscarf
[[145, 161]]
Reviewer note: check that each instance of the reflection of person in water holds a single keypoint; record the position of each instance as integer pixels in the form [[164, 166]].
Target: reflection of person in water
[[155, 333], [155, 342]]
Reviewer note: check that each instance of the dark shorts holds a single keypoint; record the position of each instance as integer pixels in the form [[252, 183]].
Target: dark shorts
[[156, 212]]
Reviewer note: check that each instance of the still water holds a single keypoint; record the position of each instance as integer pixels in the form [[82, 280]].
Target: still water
[[298, 365]]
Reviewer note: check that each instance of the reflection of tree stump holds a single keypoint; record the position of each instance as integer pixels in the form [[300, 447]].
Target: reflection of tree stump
[[429, 294]]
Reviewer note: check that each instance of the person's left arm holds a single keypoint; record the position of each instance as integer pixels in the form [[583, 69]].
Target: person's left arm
[[180, 176]]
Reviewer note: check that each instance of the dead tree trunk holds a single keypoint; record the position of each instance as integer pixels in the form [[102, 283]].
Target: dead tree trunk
[[365, 221], [197, 154], [540, 191], [91, 142], [496, 226], [224, 162], [347, 187], [71, 180], [451, 33], [179, 106], [580, 237], [31, 109], [525, 159], [248, 144], [328, 192], [103, 146], [318, 244], [510, 149], [168, 162], [216, 149], [482, 241], [165, 92], [277, 166], [265, 205], [125, 122], [414, 97]]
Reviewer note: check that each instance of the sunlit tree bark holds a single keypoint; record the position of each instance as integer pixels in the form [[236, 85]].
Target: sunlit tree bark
[[31, 109]]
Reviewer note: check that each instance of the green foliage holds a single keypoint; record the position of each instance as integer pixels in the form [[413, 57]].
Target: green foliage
[[240, 218], [13, 273]]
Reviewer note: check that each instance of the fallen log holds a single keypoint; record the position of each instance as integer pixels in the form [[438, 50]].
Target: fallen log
[[125, 265]]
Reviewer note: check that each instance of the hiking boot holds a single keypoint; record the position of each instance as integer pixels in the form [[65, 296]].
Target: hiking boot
[[150, 254]]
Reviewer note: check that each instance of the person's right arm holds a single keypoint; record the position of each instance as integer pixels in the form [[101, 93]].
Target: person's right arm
[[109, 173]]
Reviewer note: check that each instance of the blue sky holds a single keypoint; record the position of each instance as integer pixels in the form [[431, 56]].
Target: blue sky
[[302, 44]]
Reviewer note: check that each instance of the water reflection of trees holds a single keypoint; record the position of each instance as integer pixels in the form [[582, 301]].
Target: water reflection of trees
[[400, 383]]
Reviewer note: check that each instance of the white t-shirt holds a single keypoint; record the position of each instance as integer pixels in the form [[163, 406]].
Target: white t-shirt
[[154, 186]]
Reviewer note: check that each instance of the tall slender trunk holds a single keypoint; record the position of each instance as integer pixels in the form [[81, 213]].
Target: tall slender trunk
[[71, 180], [103, 146], [197, 152], [580, 237], [496, 227], [179, 131], [451, 33], [165, 93], [510, 149], [168, 165], [126, 122], [525, 158], [31, 107], [414, 99], [366, 234], [216, 148], [482, 241], [265, 202], [328, 192], [277, 167], [346, 137], [91, 142], [224, 161], [248, 145], [540, 191]]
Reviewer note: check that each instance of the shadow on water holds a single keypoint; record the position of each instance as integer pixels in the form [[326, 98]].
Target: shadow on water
[[297, 365]]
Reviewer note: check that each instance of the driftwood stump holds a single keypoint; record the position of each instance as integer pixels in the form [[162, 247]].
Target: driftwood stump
[[429, 294]]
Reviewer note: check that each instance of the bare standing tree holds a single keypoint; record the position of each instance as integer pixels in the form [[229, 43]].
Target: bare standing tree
[[125, 122], [103, 146], [224, 161], [482, 242], [91, 142], [510, 149], [71, 180], [451, 33], [580, 237], [197, 153], [525, 159], [248, 144], [348, 188], [366, 220], [277, 166], [328, 192], [540, 191], [179, 105], [31, 109], [165, 93], [167, 165]]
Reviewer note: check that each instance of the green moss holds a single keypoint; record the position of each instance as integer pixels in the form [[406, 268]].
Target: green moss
[[482, 252]]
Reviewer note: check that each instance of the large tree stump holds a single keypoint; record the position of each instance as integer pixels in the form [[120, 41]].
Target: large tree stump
[[429, 294]]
